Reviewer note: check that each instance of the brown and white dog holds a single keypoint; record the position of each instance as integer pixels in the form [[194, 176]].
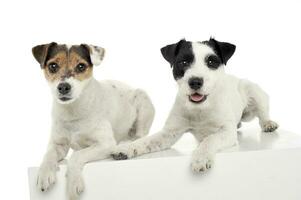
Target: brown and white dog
[[89, 116]]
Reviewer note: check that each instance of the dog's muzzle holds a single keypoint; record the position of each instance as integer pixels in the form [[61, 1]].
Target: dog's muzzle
[[195, 84], [64, 90]]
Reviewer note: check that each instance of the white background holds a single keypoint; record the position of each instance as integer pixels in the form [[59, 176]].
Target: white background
[[267, 35]]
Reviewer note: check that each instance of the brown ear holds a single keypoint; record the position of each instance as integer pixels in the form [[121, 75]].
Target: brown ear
[[40, 52]]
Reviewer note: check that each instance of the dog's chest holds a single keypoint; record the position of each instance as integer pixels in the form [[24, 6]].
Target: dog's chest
[[81, 141], [204, 127], [203, 124], [80, 133]]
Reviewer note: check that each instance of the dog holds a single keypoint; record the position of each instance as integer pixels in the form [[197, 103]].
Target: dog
[[210, 103], [89, 116]]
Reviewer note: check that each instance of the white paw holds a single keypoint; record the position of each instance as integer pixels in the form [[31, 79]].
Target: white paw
[[201, 164], [75, 185], [46, 178], [269, 126], [123, 152]]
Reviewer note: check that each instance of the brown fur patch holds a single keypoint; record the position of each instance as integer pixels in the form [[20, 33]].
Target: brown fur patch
[[67, 61]]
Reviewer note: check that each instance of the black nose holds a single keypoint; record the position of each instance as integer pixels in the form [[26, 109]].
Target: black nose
[[195, 83], [64, 88]]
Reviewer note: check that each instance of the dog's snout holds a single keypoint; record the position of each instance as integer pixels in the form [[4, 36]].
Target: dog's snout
[[64, 88], [195, 83]]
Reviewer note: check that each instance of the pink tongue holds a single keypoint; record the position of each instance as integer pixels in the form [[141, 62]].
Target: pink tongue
[[196, 97]]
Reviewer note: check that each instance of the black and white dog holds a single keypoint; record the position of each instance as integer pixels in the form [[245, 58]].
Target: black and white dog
[[210, 103]]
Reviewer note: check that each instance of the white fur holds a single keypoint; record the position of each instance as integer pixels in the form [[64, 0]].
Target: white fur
[[213, 122], [96, 54], [100, 115]]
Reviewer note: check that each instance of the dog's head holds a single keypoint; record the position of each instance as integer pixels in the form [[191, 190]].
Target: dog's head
[[197, 66], [68, 69]]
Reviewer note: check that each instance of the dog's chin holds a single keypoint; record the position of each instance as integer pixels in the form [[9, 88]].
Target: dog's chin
[[65, 100]]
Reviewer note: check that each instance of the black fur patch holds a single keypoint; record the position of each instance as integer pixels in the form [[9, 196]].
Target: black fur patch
[[180, 56], [83, 51], [213, 61], [223, 50]]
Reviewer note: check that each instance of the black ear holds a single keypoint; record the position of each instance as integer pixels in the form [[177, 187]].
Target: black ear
[[170, 52], [223, 49], [40, 52]]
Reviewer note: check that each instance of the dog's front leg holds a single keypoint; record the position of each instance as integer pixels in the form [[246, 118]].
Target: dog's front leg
[[164, 139], [100, 150], [203, 156], [57, 150], [75, 182], [157, 142]]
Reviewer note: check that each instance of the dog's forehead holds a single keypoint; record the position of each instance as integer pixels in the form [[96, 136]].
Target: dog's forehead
[[69, 51], [201, 49]]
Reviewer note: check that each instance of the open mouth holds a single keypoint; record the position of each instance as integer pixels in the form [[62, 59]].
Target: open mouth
[[65, 98], [197, 98]]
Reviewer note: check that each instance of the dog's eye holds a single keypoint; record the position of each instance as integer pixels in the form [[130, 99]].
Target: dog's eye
[[53, 67], [81, 67], [213, 62], [183, 63]]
